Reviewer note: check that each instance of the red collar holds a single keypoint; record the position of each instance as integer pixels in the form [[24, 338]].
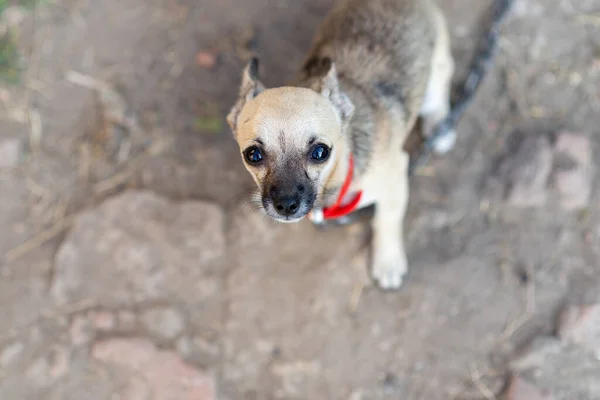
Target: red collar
[[337, 209]]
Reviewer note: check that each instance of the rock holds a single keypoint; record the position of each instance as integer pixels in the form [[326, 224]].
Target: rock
[[581, 325], [184, 347], [293, 375], [10, 353], [520, 389], [560, 370], [155, 374], [10, 152], [103, 320], [527, 173], [127, 320], [59, 365], [572, 174], [206, 59], [44, 370], [81, 330], [139, 246], [356, 395], [206, 351], [166, 323], [37, 372], [391, 384]]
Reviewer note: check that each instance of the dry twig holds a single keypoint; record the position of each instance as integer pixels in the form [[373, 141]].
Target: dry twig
[[479, 384], [38, 240]]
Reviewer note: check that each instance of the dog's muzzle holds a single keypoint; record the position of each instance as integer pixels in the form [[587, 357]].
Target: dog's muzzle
[[289, 202]]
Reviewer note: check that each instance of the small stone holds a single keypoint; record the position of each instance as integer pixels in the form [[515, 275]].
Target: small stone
[[528, 172], [573, 181], [206, 349], [132, 352], [10, 353], [295, 375], [356, 395], [520, 389], [575, 79], [80, 330], [206, 59], [59, 364], [166, 323], [391, 384], [127, 320], [10, 152], [184, 346], [103, 320], [39, 372], [581, 325]]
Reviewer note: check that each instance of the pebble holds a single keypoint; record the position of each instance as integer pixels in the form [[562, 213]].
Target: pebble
[[205, 59], [520, 389], [80, 330], [581, 325], [573, 183], [10, 353], [527, 173], [166, 323], [10, 152], [103, 320]]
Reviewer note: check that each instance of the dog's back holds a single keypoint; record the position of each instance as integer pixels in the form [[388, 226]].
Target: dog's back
[[382, 50], [383, 47]]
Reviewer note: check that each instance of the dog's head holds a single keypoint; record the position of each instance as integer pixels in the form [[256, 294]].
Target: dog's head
[[290, 139]]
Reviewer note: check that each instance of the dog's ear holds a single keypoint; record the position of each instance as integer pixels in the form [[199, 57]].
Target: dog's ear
[[249, 89], [330, 88]]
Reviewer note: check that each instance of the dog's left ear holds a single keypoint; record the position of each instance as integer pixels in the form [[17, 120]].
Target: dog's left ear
[[249, 89], [330, 88]]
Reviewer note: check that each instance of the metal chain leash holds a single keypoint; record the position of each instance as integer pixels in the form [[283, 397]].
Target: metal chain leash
[[481, 63]]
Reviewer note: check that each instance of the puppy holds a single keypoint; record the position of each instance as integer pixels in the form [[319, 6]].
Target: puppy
[[332, 141]]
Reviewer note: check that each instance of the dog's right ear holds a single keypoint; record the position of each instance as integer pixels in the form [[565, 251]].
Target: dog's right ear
[[249, 89], [329, 87]]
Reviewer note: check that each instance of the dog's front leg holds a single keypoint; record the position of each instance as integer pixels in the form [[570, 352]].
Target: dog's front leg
[[389, 257]]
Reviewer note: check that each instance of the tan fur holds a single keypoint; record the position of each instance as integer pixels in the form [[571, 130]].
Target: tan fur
[[374, 68], [298, 112]]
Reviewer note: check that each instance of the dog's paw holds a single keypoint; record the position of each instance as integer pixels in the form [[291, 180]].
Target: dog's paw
[[389, 272]]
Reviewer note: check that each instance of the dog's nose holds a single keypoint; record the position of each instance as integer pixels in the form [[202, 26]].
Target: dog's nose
[[287, 206]]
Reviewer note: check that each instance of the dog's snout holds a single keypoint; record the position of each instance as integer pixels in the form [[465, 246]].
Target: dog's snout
[[287, 205], [287, 199]]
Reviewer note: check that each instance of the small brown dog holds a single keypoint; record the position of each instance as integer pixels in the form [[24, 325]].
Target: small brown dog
[[333, 141]]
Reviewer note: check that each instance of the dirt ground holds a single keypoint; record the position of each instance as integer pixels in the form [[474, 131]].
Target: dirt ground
[[131, 267]]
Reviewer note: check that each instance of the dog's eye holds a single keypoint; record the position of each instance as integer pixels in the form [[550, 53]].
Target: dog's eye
[[253, 155], [320, 152]]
